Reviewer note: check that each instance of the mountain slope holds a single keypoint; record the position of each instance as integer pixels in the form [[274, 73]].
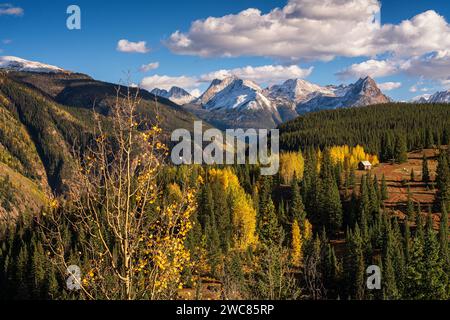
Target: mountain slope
[[81, 91], [44, 115]]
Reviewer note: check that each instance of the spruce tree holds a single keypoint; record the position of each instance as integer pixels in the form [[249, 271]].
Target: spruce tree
[[443, 180], [400, 149], [443, 236], [390, 289], [297, 209], [425, 171], [415, 268], [410, 210], [435, 277], [270, 230], [384, 189]]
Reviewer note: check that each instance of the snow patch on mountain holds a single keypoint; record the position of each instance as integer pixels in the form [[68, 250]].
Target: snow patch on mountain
[[10, 63]]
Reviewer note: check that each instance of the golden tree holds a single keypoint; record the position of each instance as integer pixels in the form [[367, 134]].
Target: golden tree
[[133, 243], [298, 241], [292, 165]]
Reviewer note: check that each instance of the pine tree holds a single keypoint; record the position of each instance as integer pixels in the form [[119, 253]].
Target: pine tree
[[435, 277], [400, 149], [297, 209], [390, 289], [410, 210], [270, 229], [384, 189], [425, 171], [354, 265], [364, 207], [443, 236], [415, 268], [443, 180], [330, 267], [332, 207], [407, 240]]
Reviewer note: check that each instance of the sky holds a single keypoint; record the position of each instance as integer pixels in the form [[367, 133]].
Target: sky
[[404, 45]]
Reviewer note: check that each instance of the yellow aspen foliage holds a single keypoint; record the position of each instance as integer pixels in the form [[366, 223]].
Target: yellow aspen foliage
[[299, 237], [350, 157], [292, 165], [174, 193], [307, 234], [296, 254], [244, 214]]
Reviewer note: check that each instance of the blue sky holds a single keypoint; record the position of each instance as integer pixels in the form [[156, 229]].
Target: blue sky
[[407, 67]]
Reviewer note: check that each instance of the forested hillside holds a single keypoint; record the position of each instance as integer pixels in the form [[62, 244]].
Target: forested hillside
[[376, 127], [45, 118]]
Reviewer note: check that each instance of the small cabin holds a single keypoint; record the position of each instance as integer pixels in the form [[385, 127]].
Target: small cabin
[[365, 166]]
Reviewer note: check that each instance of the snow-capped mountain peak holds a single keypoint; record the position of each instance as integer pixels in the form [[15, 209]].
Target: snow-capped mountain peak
[[175, 94], [216, 86], [10, 63], [234, 93]]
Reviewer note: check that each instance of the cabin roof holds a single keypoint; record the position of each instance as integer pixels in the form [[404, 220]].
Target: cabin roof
[[365, 163]]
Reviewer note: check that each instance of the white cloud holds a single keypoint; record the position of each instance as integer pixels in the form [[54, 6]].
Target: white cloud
[[196, 93], [425, 32], [149, 67], [322, 30], [388, 86], [269, 74], [135, 47], [372, 68], [7, 41], [167, 82], [7, 9], [303, 29]]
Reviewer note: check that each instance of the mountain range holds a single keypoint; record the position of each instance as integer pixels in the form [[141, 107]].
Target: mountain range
[[234, 102], [438, 97]]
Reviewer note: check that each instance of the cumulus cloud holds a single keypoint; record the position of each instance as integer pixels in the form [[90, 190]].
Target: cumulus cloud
[[426, 32], [303, 29], [132, 47], [372, 68], [167, 82], [265, 74], [7, 9], [149, 67], [388, 86], [323, 30]]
